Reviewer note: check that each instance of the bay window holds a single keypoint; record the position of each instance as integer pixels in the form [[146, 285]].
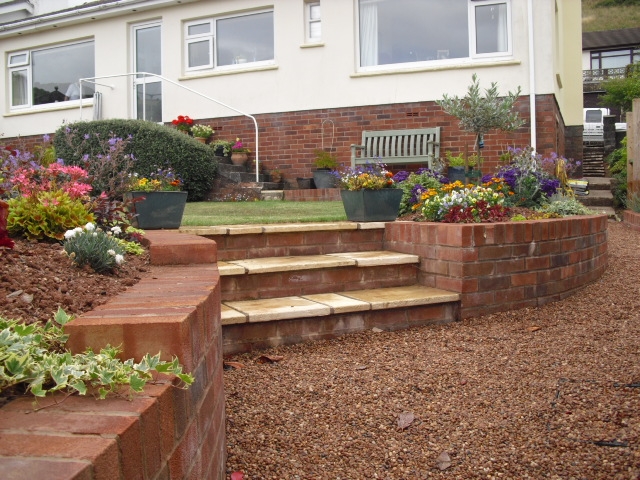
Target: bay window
[[411, 31], [229, 41], [50, 75]]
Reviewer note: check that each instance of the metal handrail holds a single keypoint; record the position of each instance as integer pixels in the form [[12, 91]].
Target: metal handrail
[[92, 80]]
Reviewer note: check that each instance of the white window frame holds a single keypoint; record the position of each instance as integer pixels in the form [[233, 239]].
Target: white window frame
[[197, 38], [471, 4], [26, 65], [213, 60], [472, 28], [308, 5]]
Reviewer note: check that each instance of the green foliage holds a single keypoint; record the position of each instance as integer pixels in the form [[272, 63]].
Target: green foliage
[[599, 15], [92, 246], [223, 145], [454, 161], [620, 92], [634, 202], [566, 206], [617, 161], [153, 146], [34, 356], [616, 3], [324, 159], [480, 113], [47, 215]]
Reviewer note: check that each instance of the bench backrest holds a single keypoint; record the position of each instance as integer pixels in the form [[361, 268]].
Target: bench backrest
[[400, 146]]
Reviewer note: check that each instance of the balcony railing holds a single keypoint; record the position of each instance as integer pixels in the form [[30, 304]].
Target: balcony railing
[[592, 79]]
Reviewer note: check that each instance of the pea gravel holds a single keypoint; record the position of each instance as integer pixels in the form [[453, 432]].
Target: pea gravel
[[540, 393]]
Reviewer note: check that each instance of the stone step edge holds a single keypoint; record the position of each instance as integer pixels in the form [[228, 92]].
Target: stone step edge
[[324, 304], [374, 258], [279, 228]]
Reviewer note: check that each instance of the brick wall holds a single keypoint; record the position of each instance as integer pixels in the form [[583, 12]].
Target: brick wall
[[505, 266], [162, 433], [632, 219], [288, 139]]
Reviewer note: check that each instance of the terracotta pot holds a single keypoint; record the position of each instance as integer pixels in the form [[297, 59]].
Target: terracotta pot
[[239, 158], [201, 139]]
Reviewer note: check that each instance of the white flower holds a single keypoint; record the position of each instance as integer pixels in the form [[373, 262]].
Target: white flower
[[119, 259], [90, 227], [111, 252], [95, 234], [116, 230], [70, 234]]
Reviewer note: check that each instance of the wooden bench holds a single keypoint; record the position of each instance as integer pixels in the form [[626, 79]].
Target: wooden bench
[[420, 145]]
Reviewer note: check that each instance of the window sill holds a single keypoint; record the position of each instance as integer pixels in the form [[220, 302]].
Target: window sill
[[437, 68], [232, 71], [50, 107], [312, 45]]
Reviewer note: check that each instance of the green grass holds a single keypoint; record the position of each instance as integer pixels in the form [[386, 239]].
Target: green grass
[[238, 213], [608, 18]]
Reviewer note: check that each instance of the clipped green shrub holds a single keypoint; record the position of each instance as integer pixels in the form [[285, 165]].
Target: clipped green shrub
[[153, 146], [46, 215]]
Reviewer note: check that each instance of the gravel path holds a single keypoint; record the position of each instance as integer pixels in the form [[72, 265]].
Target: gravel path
[[550, 392]]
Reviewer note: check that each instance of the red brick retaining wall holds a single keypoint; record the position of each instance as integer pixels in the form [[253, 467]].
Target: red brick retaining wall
[[504, 266], [163, 433], [632, 219]]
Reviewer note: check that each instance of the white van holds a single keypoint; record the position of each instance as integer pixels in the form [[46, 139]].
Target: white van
[[593, 119]]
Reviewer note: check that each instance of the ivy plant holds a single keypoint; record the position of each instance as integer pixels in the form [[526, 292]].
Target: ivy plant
[[34, 356]]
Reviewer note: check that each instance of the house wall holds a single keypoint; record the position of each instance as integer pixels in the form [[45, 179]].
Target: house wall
[[311, 81]]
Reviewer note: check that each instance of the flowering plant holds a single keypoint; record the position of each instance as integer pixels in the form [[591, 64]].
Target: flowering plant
[[162, 180], [202, 131], [371, 176], [90, 245], [238, 147], [183, 123], [459, 203]]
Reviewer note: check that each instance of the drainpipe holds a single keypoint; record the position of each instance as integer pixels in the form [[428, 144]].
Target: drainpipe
[[532, 76]]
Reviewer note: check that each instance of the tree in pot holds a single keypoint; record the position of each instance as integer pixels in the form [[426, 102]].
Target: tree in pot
[[480, 113], [324, 162]]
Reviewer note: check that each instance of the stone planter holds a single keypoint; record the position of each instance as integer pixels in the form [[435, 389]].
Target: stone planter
[[323, 178], [158, 210], [372, 205]]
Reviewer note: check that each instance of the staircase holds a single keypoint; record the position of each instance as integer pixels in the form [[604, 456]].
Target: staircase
[[593, 159], [600, 197], [287, 283], [237, 182]]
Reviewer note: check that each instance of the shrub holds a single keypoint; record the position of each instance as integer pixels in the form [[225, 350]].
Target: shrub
[[34, 356], [152, 146], [46, 215], [565, 206], [92, 246], [617, 161]]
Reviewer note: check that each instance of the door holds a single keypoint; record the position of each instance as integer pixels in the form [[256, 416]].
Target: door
[[147, 58]]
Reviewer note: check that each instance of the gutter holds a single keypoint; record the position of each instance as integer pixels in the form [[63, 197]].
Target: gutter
[[532, 76], [88, 12]]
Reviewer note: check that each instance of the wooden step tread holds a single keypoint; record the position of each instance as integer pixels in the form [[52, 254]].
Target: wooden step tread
[[310, 262], [271, 309]]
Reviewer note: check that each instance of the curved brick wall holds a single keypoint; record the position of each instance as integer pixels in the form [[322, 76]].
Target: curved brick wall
[[504, 266]]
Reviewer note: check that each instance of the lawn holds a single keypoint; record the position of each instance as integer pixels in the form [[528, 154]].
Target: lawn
[[237, 213]]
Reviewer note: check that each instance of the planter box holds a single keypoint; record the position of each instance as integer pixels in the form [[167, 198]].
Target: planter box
[[158, 209], [372, 205]]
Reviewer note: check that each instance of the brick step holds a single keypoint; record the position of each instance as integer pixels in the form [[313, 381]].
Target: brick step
[[241, 242], [257, 324], [598, 183], [261, 278], [597, 198]]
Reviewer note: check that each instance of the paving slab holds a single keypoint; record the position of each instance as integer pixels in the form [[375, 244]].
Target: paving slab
[[397, 297], [279, 308], [339, 303], [286, 264], [230, 316], [226, 268], [375, 258]]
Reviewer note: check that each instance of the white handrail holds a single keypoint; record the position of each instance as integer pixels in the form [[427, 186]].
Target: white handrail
[[255, 123]]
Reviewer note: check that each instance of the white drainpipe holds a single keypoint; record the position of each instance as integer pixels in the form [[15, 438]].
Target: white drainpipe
[[532, 76]]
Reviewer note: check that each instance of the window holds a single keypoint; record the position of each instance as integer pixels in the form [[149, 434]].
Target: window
[[313, 21], [229, 41], [50, 75], [614, 58], [409, 31]]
